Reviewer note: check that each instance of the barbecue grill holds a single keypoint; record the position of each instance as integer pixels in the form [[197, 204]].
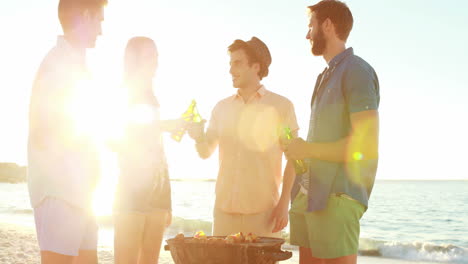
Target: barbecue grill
[[213, 250]]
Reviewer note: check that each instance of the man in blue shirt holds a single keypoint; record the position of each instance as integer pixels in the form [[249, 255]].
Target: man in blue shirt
[[341, 149]]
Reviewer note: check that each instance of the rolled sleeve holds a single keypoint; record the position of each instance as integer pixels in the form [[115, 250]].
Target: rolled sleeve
[[361, 89]]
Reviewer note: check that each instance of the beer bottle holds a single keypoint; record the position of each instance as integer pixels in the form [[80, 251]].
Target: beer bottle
[[190, 115], [299, 165]]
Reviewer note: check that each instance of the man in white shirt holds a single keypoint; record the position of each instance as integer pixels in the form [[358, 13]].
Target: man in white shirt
[[247, 129], [63, 164]]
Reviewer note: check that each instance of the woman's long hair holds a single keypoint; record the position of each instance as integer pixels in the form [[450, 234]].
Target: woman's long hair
[[140, 63]]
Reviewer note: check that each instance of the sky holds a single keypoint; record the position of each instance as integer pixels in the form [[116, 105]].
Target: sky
[[418, 49]]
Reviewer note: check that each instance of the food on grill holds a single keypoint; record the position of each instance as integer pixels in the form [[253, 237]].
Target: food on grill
[[237, 238], [200, 235], [233, 239], [251, 238]]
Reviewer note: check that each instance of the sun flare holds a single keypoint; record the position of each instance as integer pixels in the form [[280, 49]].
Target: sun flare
[[98, 111]]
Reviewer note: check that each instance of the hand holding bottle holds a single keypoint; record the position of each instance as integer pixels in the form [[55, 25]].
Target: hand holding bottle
[[190, 116], [299, 165], [197, 131]]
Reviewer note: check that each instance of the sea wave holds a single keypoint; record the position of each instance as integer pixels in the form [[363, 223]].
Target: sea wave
[[22, 211], [414, 251]]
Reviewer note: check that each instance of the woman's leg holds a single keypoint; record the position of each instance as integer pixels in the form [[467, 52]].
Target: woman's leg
[[128, 237], [152, 236]]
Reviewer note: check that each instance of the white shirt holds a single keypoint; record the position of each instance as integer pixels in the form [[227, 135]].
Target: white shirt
[[61, 163], [250, 156]]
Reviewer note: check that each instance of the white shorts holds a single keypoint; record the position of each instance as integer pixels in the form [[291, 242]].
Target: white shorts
[[259, 224], [64, 229]]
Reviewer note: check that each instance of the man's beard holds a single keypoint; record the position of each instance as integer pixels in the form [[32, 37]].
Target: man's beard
[[319, 43]]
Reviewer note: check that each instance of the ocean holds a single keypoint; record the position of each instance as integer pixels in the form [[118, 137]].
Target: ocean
[[410, 220]]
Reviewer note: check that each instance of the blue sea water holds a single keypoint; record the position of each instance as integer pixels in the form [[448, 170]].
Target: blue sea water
[[412, 220]]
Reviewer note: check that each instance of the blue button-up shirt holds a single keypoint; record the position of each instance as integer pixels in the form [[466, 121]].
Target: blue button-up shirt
[[348, 85]]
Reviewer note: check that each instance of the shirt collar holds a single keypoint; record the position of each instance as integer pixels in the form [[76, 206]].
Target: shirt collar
[[262, 91], [338, 58]]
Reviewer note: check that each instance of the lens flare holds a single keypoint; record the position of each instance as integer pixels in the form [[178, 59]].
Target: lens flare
[[358, 156], [361, 163], [258, 127]]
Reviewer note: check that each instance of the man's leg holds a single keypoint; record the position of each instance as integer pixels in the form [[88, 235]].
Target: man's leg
[[60, 228], [88, 247], [351, 259], [305, 257], [84, 257], [49, 257], [87, 257]]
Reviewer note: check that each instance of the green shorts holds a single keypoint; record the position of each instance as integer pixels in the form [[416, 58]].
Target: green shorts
[[330, 233]]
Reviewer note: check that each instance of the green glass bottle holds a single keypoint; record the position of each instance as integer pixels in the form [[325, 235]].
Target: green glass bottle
[[299, 165], [190, 115], [196, 117]]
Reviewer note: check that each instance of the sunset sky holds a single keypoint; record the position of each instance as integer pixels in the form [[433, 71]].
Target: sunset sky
[[418, 49]]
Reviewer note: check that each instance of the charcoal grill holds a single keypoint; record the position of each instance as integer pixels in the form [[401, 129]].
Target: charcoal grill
[[189, 250]]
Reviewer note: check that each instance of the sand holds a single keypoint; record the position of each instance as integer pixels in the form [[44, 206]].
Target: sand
[[18, 244]]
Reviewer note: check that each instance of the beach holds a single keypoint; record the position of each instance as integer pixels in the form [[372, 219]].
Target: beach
[[414, 227], [19, 245]]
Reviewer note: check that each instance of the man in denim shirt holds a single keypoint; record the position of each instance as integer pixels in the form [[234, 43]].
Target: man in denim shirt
[[342, 145]]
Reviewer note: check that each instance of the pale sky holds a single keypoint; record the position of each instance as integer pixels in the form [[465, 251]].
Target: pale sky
[[418, 49]]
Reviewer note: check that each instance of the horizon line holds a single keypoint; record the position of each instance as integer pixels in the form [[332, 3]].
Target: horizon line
[[214, 179]]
